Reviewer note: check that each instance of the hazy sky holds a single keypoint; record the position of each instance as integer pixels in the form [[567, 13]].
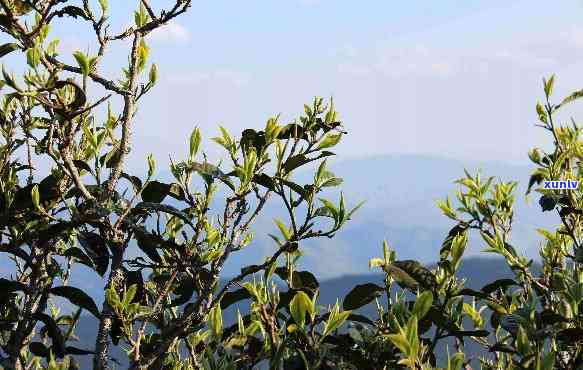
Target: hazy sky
[[457, 78]]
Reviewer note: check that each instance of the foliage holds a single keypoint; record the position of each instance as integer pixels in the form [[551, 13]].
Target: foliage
[[165, 305]]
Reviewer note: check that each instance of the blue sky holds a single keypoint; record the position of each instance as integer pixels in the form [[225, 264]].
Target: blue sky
[[451, 78]]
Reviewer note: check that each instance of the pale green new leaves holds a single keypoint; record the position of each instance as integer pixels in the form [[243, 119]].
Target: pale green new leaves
[[36, 198], [283, 229], [33, 56], [143, 52], [195, 139], [123, 306], [104, 6], [226, 141], [216, 321], [423, 304], [86, 64], [447, 208], [141, 17], [299, 306], [247, 172], [548, 85], [153, 76], [329, 141], [335, 320], [407, 340]]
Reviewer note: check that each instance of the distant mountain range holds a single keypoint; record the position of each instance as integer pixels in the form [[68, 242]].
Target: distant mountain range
[[400, 194]]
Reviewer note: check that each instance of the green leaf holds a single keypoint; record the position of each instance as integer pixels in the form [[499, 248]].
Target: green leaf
[[400, 342], [10, 286], [184, 291], [74, 11], [300, 279], [498, 284], [335, 320], [548, 85], [411, 273], [423, 304], [148, 244], [264, 180], [334, 181], [574, 96], [104, 5], [82, 165], [54, 333], [195, 139], [299, 160], [143, 52], [216, 321], [233, 297], [153, 76], [283, 229], [35, 197], [77, 297], [570, 335], [329, 141], [155, 192], [361, 295], [292, 131], [8, 48], [97, 250], [299, 306], [83, 62]]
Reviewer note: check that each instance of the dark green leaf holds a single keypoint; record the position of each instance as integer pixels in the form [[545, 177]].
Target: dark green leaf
[[292, 131], [79, 255], [78, 351], [459, 229], [10, 286], [300, 279], [148, 244], [473, 293], [570, 335], [54, 332], [8, 48], [77, 297], [498, 284], [134, 180], [535, 179], [82, 165], [233, 297], [264, 180], [151, 206], [135, 278], [39, 349], [73, 11], [155, 192], [547, 203], [301, 191], [184, 291], [361, 295]]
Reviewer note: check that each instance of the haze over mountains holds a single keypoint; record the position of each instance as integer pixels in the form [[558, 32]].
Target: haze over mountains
[[400, 194]]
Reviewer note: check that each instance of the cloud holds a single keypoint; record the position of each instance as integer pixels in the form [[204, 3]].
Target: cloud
[[170, 33]]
